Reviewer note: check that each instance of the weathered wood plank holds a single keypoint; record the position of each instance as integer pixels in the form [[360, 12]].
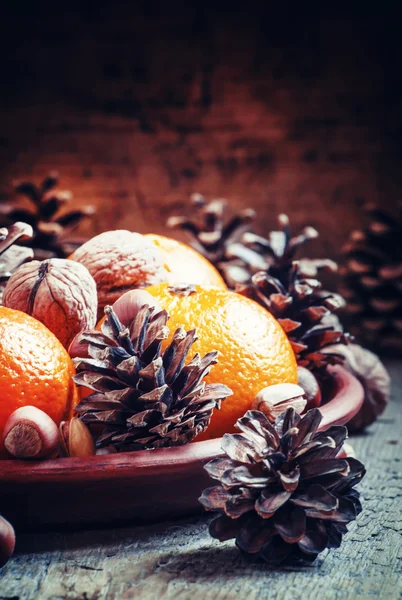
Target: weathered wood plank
[[180, 561], [139, 108]]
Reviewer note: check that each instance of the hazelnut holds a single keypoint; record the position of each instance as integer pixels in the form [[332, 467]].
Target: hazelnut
[[7, 541], [75, 438], [30, 433], [310, 385], [274, 399], [128, 305]]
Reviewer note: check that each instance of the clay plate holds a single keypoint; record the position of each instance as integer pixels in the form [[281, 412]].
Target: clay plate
[[132, 487]]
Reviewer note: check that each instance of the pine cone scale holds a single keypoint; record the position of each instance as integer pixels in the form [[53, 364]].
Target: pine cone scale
[[98, 381], [224, 528], [290, 523], [244, 475], [316, 497], [239, 448], [268, 504], [257, 428], [217, 467], [315, 539], [327, 466], [254, 535], [345, 512]]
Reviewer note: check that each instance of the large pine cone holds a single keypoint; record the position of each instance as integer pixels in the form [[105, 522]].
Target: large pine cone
[[145, 397], [282, 492]]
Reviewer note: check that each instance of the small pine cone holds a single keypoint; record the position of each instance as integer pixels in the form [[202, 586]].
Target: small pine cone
[[46, 214], [219, 239], [144, 397], [282, 492]]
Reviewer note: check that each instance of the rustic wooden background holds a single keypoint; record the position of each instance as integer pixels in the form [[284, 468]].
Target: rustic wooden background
[[140, 104]]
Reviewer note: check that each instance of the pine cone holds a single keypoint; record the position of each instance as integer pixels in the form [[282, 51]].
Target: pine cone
[[50, 227], [280, 248], [305, 313], [372, 281], [238, 253], [145, 397], [11, 255], [220, 241], [283, 493]]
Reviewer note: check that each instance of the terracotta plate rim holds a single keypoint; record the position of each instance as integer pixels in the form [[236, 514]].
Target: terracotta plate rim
[[346, 403]]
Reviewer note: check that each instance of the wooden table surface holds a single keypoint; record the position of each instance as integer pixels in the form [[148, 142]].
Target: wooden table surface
[[179, 560]]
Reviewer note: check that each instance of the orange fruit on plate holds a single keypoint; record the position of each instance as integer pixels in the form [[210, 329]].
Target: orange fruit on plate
[[254, 351], [35, 369], [186, 265]]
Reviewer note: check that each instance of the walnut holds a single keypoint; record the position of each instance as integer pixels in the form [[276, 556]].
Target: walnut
[[120, 261], [60, 293], [372, 374]]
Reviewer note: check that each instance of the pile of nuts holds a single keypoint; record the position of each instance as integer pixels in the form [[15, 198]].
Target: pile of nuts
[[31, 434]]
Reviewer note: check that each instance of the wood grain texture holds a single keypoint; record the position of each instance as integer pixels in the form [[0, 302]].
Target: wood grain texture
[[140, 104], [178, 560]]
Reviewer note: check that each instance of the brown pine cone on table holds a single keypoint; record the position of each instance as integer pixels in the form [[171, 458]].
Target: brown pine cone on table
[[282, 493]]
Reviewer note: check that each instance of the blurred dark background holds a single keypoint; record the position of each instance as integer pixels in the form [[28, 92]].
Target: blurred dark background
[[137, 105]]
